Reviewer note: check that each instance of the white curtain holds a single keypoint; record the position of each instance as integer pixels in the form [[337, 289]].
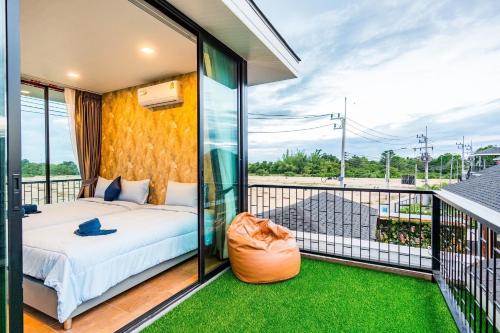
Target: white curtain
[[69, 98]]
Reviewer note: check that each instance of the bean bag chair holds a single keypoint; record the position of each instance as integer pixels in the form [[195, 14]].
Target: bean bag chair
[[261, 251]]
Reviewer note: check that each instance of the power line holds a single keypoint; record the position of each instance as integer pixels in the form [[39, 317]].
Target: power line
[[270, 115], [50, 114], [283, 118], [373, 130], [374, 135], [374, 140], [294, 130]]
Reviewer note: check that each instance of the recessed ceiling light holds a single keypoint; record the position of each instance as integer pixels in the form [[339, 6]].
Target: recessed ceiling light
[[73, 75], [25, 92], [147, 50]]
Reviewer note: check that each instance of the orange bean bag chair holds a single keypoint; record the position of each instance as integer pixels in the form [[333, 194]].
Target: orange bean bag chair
[[261, 251]]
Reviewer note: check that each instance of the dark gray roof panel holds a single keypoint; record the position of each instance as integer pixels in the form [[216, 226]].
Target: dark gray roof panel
[[484, 188], [489, 151]]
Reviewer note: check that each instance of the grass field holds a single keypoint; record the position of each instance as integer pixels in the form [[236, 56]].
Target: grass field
[[325, 297]]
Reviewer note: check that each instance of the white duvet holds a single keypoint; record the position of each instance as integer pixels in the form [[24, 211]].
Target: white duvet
[[81, 268], [81, 209]]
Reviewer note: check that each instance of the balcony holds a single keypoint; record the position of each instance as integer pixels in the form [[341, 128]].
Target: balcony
[[445, 241], [444, 237]]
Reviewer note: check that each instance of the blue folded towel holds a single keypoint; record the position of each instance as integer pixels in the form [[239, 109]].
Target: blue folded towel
[[92, 228], [31, 209]]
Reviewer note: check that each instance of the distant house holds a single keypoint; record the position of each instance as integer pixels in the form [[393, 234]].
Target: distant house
[[483, 188], [479, 156]]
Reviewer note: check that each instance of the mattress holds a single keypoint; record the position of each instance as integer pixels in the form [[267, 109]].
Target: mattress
[[81, 209], [82, 268]]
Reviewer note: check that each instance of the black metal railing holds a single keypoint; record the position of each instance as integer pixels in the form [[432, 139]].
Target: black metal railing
[[384, 226], [468, 265], [62, 190]]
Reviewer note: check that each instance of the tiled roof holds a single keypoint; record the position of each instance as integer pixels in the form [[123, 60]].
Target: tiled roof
[[484, 188], [489, 151]]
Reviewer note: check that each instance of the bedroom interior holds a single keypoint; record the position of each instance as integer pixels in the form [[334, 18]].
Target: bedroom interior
[[95, 73]]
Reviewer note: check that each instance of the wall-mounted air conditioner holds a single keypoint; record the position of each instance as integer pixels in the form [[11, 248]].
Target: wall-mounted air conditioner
[[162, 94]]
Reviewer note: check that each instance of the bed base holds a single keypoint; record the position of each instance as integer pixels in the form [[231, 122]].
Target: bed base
[[44, 299]]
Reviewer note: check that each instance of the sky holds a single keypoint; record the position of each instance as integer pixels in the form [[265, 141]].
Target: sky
[[403, 65]]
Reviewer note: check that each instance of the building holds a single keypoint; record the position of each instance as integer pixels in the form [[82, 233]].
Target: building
[[153, 92], [482, 189]]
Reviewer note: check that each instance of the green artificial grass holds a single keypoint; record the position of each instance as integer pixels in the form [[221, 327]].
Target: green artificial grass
[[324, 297]]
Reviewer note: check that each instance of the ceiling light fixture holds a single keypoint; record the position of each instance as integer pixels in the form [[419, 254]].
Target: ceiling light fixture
[[25, 92], [73, 75], [147, 50]]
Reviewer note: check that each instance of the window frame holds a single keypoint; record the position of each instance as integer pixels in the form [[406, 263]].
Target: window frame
[[46, 110]]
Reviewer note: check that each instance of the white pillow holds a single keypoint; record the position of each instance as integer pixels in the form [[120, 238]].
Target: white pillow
[[134, 191], [182, 194], [102, 185]]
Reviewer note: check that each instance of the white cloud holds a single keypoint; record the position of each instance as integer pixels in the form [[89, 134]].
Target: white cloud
[[398, 63]]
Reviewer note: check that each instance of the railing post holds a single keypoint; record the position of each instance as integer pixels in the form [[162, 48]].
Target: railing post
[[436, 233]]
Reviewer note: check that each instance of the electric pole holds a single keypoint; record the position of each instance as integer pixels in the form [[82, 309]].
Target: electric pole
[[343, 121], [441, 168], [451, 169], [424, 153], [463, 147], [387, 167], [416, 174]]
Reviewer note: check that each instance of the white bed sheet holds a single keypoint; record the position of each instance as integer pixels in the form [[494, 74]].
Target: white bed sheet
[[78, 210], [81, 268]]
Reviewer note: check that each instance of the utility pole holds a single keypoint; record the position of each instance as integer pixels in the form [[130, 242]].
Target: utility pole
[[441, 168], [424, 152], [451, 169], [343, 121], [387, 167], [463, 147], [416, 174]]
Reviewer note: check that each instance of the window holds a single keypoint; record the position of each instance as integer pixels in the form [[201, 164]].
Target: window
[[48, 160]]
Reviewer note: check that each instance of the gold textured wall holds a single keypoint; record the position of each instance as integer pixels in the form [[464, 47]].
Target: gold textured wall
[[138, 143]]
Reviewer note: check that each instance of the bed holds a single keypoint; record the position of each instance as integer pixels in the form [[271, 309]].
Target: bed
[[78, 210], [66, 275]]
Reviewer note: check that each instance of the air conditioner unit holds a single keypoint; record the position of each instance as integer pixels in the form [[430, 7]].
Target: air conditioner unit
[[158, 95]]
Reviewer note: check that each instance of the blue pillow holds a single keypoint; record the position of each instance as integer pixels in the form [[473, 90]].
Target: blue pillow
[[112, 192]]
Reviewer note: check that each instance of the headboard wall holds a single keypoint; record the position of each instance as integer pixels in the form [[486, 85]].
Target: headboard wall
[[138, 143]]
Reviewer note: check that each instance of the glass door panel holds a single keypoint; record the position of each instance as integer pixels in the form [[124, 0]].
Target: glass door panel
[[33, 144], [3, 176], [220, 121], [64, 174]]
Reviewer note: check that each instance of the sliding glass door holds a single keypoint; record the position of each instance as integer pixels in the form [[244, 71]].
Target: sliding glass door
[[220, 104], [3, 174]]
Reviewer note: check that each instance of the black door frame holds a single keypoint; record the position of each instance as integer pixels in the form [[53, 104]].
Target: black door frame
[[13, 86], [14, 157]]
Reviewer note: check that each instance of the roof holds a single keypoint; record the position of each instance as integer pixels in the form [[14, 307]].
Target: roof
[[490, 151], [242, 27], [483, 189], [304, 215]]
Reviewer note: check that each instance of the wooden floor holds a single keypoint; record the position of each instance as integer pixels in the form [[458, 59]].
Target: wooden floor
[[118, 311]]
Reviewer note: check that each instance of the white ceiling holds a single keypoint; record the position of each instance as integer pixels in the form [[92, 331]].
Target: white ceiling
[[90, 38]]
